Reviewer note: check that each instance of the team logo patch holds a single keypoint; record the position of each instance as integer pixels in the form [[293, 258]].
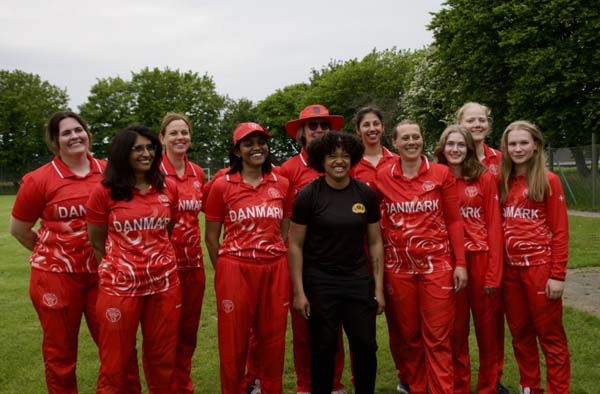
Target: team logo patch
[[493, 169], [197, 186], [163, 199], [227, 305], [273, 192], [113, 315], [428, 186], [50, 299], [358, 208], [471, 191]]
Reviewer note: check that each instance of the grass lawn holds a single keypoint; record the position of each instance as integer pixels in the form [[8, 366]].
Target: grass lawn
[[584, 242], [21, 365]]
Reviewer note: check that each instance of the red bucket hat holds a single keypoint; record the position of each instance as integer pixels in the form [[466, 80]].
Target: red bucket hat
[[314, 111], [246, 128]]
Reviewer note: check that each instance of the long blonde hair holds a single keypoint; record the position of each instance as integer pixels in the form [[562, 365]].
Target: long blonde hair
[[537, 179], [471, 167]]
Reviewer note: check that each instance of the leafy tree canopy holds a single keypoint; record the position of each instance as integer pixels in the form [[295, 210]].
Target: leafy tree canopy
[[115, 103], [26, 103], [526, 59]]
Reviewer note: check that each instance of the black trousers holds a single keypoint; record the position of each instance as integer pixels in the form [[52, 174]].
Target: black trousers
[[349, 302]]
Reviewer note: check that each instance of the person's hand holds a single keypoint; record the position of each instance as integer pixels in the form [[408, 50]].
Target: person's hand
[[380, 301], [554, 289], [487, 290], [460, 278], [302, 306]]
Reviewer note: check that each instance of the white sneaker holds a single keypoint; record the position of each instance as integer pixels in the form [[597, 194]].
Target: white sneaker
[[525, 390], [402, 388], [255, 388], [341, 391]]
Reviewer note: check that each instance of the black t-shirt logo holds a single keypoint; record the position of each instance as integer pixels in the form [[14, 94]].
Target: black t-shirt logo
[[358, 208]]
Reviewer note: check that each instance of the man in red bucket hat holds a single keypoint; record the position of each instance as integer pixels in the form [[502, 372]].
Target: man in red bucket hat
[[313, 122]]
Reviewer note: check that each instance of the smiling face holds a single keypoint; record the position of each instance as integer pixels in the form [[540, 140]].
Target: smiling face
[[455, 149], [370, 129], [176, 138], [337, 165], [142, 155], [408, 141], [521, 148], [72, 139], [253, 150], [475, 119]]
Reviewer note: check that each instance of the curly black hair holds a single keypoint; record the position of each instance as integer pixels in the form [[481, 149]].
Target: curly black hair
[[119, 175], [328, 143]]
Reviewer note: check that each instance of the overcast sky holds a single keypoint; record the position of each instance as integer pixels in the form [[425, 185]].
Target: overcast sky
[[250, 48]]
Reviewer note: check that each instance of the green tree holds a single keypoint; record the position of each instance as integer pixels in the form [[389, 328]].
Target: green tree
[[380, 78], [114, 103], [527, 59], [274, 111], [234, 112], [423, 101], [26, 103], [109, 107]]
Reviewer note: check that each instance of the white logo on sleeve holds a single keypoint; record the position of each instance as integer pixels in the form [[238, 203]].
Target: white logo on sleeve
[[50, 299], [228, 306], [113, 315]]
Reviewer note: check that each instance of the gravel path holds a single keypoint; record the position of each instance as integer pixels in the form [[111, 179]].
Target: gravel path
[[582, 290], [587, 214]]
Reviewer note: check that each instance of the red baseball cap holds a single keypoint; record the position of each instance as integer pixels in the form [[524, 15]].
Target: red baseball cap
[[246, 128], [314, 111]]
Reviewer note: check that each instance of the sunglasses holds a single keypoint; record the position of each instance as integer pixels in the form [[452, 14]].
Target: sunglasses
[[140, 148], [313, 126]]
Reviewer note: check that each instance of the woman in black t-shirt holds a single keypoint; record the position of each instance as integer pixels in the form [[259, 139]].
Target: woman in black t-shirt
[[330, 219]]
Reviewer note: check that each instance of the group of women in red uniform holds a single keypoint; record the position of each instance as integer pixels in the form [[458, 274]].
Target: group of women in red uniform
[[476, 231], [138, 261]]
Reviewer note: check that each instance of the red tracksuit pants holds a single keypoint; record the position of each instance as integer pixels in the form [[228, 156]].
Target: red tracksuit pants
[[252, 296], [532, 317], [419, 311], [119, 318], [301, 347], [486, 312], [192, 284], [60, 301]]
